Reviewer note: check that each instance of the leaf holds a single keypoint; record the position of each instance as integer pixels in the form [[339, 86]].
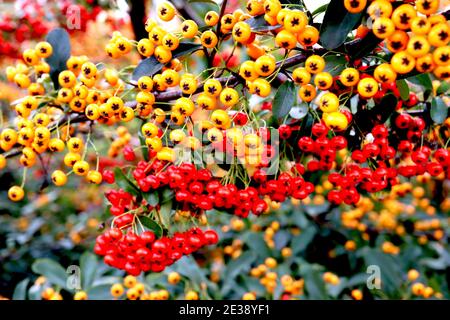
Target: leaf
[[300, 243], [335, 64], [256, 243], [241, 264], [167, 195], [150, 66], [52, 270], [423, 80], [284, 99], [299, 112], [60, 41], [364, 46], [34, 293], [403, 87], [166, 211], [235, 267], [443, 88], [319, 10], [152, 225], [124, 182], [314, 284], [390, 269], [88, 266], [259, 24], [101, 292], [20, 291], [152, 198], [337, 24], [439, 110]]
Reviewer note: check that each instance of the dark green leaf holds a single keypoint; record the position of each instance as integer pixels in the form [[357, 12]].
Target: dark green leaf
[[152, 198], [88, 266], [439, 110], [166, 212], [256, 243], [299, 112], [284, 100], [319, 10], [101, 292], [443, 88], [403, 87], [259, 24], [314, 284], [337, 24], [335, 64], [60, 41], [52, 270], [300, 243], [124, 182], [390, 269], [20, 291], [167, 195], [151, 66], [152, 225], [422, 80]]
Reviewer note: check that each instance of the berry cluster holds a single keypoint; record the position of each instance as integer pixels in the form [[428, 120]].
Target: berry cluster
[[136, 253], [322, 147]]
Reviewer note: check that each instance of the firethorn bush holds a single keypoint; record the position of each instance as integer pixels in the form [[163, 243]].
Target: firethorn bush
[[267, 151]]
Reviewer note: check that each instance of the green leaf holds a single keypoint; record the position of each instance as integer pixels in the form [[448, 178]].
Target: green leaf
[[423, 80], [101, 292], [259, 24], [256, 243], [166, 211], [314, 284], [152, 225], [151, 66], [20, 291], [284, 100], [300, 243], [403, 87], [319, 10], [443, 88], [439, 110], [60, 41], [167, 195], [34, 293], [335, 64], [88, 266], [124, 182], [299, 112], [152, 198], [391, 271], [337, 24], [52, 270]]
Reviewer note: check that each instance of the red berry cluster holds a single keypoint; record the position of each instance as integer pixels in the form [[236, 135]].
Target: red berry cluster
[[136, 253], [322, 147], [413, 126], [121, 203], [356, 177]]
